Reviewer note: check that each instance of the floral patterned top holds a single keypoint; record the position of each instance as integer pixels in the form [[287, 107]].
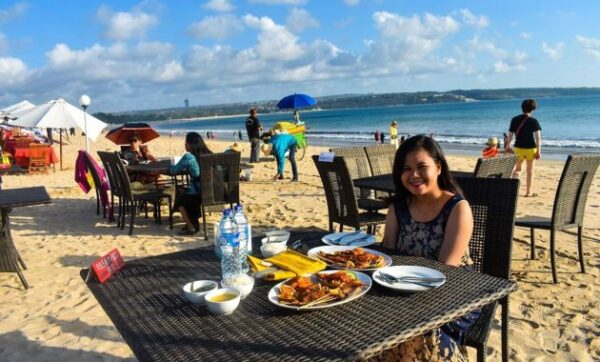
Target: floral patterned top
[[189, 163], [425, 238]]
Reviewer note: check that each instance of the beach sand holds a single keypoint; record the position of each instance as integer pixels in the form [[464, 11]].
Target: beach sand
[[59, 319]]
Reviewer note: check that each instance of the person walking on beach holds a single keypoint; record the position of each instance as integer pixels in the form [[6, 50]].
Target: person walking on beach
[[240, 135], [278, 145], [377, 134], [528, 142], [394, 134], [254, 128], [382, 138]]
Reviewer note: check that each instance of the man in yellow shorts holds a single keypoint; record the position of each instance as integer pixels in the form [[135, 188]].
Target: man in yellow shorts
[[528, 142]]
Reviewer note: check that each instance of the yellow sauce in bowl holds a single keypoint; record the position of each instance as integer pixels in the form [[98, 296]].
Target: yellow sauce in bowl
[[223, 297]]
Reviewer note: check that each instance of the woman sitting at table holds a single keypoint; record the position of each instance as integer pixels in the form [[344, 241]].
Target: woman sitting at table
[[428, 217], [188, 201], [139, 153]]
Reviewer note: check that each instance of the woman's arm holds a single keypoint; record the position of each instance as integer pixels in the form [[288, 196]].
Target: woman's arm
[[390, 235], [457, 234], [182, 165], [538, 143], [508, 141]]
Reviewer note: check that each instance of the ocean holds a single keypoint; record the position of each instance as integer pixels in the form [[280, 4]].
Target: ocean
[[569, 124]]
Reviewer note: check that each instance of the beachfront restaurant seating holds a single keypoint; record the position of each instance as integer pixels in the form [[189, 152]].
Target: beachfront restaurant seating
[[220, 182], [113, 182], [381, 158], [568, 210], [38, 154], [493, 202], [358, 166], [341, 198], [500, 166]]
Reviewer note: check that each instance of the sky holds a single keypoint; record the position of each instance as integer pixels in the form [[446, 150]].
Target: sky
[[134, 55]]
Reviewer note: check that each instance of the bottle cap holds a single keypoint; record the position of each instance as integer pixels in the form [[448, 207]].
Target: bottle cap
[[227, 212]]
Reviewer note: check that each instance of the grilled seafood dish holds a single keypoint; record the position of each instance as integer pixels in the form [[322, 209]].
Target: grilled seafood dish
[[322, 287], [357, 258]]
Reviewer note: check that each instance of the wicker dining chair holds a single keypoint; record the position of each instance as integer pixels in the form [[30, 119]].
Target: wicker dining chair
[[568, 210], [113, 182], [220, 182], [358, 166], [500, 166], [341, 199], [381, 158], [493, 202], [97, 185]]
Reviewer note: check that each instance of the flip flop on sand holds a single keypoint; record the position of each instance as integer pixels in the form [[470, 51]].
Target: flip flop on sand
[[531, 195]]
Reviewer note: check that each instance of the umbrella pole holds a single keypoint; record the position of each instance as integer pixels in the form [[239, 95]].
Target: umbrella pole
[[60, 147]]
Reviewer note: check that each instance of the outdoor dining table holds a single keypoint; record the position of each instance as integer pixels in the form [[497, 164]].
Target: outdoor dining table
[[144, 300], [10, 199], [21, 155], [385, 182], [157, 167]]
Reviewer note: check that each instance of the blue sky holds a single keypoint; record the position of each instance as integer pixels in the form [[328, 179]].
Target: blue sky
[[129, 55]]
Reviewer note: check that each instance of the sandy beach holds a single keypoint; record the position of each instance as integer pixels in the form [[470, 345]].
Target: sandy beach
[[59, 319]]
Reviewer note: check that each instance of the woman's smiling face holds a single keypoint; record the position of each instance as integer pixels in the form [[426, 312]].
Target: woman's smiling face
[[420, 173]]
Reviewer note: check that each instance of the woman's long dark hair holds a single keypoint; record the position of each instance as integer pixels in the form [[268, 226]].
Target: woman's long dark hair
[[445, 179], [197, 145]]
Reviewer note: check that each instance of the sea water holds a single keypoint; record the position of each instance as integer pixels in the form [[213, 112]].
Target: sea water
[[569, 124]]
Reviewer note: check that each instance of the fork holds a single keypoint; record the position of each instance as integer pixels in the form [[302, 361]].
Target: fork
[[340, 237], [410, 279]]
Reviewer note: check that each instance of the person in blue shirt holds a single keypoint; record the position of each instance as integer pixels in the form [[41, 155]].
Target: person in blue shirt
[[188, 201], [278, 145]]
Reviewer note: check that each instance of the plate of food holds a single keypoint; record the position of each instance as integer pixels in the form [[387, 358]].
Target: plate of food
[[350, 257], [320, 290], [409, 278], [354, 238]]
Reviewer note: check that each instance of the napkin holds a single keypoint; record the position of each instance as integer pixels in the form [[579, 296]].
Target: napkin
[[289, 264]]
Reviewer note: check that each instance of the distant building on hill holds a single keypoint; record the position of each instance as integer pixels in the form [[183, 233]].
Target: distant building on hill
[[187, 103]]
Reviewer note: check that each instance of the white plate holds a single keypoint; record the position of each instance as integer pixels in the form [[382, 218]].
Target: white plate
[[331, 249], [409, 270], [364, 278], [349, 239]]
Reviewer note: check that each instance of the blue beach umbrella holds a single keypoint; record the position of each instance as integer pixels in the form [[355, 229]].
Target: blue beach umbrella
[[295, 101]]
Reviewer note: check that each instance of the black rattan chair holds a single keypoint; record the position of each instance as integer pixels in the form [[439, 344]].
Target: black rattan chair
[[500, 166], [114, 183], [341, 199], [358, 166], [569, 205], [97, 184], [381, 158], [493, 202], [220, 181]]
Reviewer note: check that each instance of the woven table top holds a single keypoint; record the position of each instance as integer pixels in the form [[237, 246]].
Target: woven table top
[[11, 198], [145, 302]]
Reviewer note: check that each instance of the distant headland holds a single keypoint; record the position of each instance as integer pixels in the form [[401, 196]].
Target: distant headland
[[346, 101]]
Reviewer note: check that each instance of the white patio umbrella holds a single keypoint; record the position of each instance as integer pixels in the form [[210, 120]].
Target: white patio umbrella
[[60, 114], [11, 112]]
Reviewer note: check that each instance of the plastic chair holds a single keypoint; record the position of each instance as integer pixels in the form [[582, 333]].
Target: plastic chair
[[38, 154], [493, 203], [569, 205], [341, 198]]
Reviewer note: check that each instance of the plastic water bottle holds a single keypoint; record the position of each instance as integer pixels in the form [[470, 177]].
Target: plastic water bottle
[[245, 243], [230, 247]]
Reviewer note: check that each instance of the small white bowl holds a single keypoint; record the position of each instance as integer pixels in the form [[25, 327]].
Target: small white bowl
[[224, 307], [198, 297], [277, 236], [270, 249], [244, 285]]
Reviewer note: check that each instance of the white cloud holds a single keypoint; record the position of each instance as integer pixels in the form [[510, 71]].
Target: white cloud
[[125, 25], [216, 27], [525, 35], [478, 45], [555, 52], [274, 41], [474, 20], [3, 44], [13, 71], [219, 5], [515, 63], [351, 2], [589, 45], [299, 19], [279, 2], [13, 12]]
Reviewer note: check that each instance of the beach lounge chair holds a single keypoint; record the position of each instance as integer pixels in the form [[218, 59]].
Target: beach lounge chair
[[493, 203], [341, 198], [220, 182], [358, 166], [569, 205]]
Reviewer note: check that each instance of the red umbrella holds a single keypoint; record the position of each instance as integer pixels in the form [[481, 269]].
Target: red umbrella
[[122, 135]]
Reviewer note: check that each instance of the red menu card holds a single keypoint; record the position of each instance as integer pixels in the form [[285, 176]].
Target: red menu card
[[104, 267]]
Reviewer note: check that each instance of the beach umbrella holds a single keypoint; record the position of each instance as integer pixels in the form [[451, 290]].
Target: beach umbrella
[[11, 112], [295, 101], [122, 134], [59, 113]]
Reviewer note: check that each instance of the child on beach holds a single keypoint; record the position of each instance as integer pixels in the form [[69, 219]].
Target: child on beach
[[428, 217], [492, 148]]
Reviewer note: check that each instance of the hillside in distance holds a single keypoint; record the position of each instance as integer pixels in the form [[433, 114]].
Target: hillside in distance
[[346, 101]]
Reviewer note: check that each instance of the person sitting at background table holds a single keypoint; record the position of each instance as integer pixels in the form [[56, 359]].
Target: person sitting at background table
[[139, 153], [429, 217], [187, 201]]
